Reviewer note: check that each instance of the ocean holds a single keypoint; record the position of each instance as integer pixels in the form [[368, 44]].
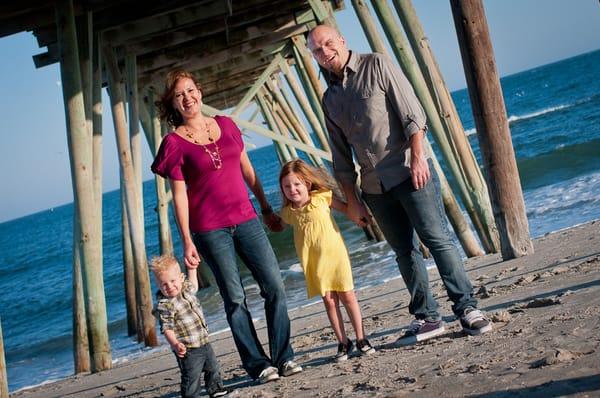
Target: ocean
[[554, 115]]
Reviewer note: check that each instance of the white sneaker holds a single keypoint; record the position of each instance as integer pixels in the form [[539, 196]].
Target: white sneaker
[[268, 374]]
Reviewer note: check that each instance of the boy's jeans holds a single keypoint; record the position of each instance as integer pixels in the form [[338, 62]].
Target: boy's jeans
[[195, 362], [250, 242], [400, 212]]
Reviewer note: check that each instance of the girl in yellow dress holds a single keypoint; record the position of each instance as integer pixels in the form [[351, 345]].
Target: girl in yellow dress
[[307, 198]]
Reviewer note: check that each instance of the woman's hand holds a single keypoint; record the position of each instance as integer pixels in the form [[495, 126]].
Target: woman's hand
[[272, 220], [191, 258]]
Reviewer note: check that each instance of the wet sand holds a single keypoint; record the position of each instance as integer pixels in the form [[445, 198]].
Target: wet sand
[[545, 342]]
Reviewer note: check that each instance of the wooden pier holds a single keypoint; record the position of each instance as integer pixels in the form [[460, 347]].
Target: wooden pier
[[251, 58]]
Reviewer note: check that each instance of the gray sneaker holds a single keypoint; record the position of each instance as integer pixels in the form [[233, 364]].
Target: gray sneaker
[[268, 374], [474, 322], [421, 330], [290, 368]]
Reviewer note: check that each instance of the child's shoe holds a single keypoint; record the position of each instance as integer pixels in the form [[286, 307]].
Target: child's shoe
[[364, 347], [343, 351], [219, 393]]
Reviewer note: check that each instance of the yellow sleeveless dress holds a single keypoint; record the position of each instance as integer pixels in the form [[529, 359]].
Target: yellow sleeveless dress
[[320, 246]]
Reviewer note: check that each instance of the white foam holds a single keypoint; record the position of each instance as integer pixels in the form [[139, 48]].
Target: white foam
[[539, 113]]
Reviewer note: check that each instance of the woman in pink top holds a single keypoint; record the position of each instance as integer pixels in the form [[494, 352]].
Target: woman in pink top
[[208, 170]]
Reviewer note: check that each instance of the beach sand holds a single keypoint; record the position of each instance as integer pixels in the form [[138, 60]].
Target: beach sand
[[545, 342]]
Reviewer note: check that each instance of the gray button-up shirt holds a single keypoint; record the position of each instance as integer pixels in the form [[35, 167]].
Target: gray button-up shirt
[[373, 110]]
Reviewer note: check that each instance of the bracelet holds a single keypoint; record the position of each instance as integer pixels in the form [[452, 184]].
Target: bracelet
[[267, 211]]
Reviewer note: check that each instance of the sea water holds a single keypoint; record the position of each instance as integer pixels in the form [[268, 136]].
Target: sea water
[[554, 116]]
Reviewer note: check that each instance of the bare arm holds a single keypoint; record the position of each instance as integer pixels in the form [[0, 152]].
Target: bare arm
[[180, 201], [355, 209], [419, 168], [178, 347], [339, 205], [272, 220]]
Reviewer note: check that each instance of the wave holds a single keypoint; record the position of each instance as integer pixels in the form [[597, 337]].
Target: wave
[[561, 163], [517, 118]]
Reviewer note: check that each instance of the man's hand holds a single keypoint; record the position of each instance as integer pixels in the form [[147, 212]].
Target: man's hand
[[358, 213], [419, 171]]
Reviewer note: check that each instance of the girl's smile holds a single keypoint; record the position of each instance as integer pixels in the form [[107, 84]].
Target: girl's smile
[[295, 190]]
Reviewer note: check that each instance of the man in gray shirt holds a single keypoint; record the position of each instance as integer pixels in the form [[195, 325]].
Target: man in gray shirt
[[372, 112]]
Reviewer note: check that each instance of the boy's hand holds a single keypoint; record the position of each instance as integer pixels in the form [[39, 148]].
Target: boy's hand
[[179, 349]]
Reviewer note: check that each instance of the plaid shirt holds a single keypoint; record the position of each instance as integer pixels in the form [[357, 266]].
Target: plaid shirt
[[182, 314]]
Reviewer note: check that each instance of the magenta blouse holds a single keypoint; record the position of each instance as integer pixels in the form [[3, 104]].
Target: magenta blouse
[[217, 198]]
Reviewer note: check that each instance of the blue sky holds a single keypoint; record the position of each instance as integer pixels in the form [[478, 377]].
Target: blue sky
[[34, 156]]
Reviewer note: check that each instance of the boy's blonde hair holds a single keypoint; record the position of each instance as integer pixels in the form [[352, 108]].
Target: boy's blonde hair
[[163, 263], [314, 179]]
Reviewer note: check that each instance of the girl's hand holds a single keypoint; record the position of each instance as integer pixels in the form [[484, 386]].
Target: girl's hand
[[273, 222], [358, 213], [191, 258]]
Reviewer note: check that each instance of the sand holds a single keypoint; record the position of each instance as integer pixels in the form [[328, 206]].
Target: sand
[[545, 341]]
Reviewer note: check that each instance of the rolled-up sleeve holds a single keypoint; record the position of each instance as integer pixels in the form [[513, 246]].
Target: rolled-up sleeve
[[401, 96], [165, 313], [341, 153]]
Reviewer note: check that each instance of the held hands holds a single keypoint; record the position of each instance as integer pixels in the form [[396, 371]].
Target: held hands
[[419, 171], [191, 258], [179, 349], [272, 220], [358, 213]]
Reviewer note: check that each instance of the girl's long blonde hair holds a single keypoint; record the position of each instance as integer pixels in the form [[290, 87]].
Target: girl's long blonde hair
[[314, 179]]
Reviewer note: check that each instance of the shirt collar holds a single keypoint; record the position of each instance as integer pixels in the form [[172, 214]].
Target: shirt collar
[[351, 65]]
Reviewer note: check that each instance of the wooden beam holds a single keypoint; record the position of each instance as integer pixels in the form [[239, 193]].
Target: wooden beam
[[194, 63], [126, 163], [80, 151], [217, 49], [493, 131], [266, 74], [254, 23]]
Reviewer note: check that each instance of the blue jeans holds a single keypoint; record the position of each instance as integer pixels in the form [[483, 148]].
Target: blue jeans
[[250, 242], [195, 362], [400, 212]]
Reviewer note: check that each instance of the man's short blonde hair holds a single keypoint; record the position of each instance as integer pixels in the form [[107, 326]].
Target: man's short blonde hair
[[163, 263]]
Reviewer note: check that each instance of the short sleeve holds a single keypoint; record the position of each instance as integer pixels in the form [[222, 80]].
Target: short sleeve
[[322, 198], [233, 130], [165, 313], [169, 159], [286, 216]]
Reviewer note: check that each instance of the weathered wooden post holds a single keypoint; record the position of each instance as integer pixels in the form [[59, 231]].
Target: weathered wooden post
[[489, 113], [146, 320], [135, 135], [282, 150], [154, 137], [368, 24], [313, 98], [3, 379], [477, 189], [80, 151], [311, 116], [409, 66], [306, 60], [460, 225], [81, 347]]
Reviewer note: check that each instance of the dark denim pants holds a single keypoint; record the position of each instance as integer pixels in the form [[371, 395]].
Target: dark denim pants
[[250, 242], [195, 362], [400, 212]]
